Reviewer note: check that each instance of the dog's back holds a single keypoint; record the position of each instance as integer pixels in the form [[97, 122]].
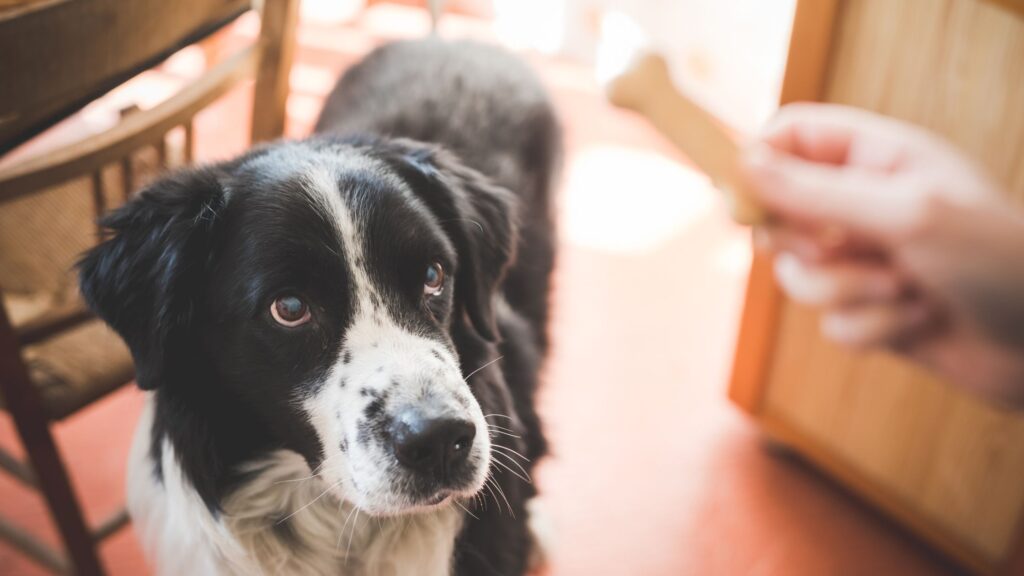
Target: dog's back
[[484, 105]]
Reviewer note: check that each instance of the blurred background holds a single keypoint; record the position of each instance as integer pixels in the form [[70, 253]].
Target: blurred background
[[653, 470]]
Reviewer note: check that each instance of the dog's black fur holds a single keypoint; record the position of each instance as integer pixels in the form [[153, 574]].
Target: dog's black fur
[[193, 258]]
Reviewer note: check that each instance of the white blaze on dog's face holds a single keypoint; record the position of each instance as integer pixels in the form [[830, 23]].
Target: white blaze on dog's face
[[398, 428]]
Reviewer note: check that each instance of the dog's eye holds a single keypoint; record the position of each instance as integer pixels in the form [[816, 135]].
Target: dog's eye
[[433, 281], [290, 311]]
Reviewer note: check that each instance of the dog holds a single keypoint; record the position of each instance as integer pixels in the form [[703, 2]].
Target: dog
[[340, 336]]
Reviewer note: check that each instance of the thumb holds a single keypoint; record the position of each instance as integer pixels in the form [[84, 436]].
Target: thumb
[[862, 200]]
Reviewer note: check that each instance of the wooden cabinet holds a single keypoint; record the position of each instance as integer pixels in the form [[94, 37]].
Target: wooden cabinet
[[944, 464]]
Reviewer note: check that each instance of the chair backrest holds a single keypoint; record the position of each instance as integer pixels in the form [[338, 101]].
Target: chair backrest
[[49, 203], [59, 56]]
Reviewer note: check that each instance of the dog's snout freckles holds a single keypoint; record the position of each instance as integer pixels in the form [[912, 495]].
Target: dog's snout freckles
[[399, 426]]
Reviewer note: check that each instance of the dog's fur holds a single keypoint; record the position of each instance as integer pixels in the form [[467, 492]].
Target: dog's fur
[[266, 449]]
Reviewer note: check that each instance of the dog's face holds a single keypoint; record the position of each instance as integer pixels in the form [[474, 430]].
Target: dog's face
[[315, 284]]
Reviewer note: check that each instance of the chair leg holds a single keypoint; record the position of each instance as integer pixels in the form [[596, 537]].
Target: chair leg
[[59, 494], [32, 424]]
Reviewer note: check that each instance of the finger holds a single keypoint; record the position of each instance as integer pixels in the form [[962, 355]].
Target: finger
[[836, 134], [836, 285], [816, 244], [790, 239], [809, 132], [893, 324], [865, 202]]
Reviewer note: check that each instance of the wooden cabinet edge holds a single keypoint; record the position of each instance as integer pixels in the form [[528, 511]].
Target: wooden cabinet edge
[[755, 344], [807, 60]]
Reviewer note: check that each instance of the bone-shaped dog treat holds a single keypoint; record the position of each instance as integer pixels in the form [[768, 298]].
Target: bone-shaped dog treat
[[646, 87]]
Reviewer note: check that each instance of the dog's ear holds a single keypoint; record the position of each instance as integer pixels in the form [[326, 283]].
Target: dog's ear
[[145, 280], [479, 217]]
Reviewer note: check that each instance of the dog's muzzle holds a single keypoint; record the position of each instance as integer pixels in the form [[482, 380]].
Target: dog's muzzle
[[433, 445]]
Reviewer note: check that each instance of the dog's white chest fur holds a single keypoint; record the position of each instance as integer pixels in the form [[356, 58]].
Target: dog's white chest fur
[[281, 521]]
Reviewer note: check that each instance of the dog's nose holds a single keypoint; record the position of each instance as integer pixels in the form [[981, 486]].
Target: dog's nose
[[431, 445]]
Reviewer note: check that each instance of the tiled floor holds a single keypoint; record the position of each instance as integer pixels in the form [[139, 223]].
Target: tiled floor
[[652, 471]]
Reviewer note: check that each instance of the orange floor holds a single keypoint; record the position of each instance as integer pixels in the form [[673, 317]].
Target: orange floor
[[652, 471]]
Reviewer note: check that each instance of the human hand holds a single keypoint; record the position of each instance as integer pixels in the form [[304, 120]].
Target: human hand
[[901, 240]]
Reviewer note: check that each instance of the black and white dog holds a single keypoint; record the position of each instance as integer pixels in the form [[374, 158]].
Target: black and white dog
[[341, 336]]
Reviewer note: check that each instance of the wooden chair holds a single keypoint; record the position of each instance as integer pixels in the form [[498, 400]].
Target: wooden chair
[[55, 358]]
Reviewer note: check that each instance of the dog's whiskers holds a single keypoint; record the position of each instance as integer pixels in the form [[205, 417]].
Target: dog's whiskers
[[297, 479], [317, 472], [496, 415], [470, 220], [499, 430], [341, 506], [470, 375], [351, 534], [464, 509], [497, 486], [490, 490], [525, 478], [311, 502], [315, 475], [510, 450]]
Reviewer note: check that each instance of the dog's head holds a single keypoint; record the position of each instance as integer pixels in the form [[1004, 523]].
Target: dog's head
[[313, 287]]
